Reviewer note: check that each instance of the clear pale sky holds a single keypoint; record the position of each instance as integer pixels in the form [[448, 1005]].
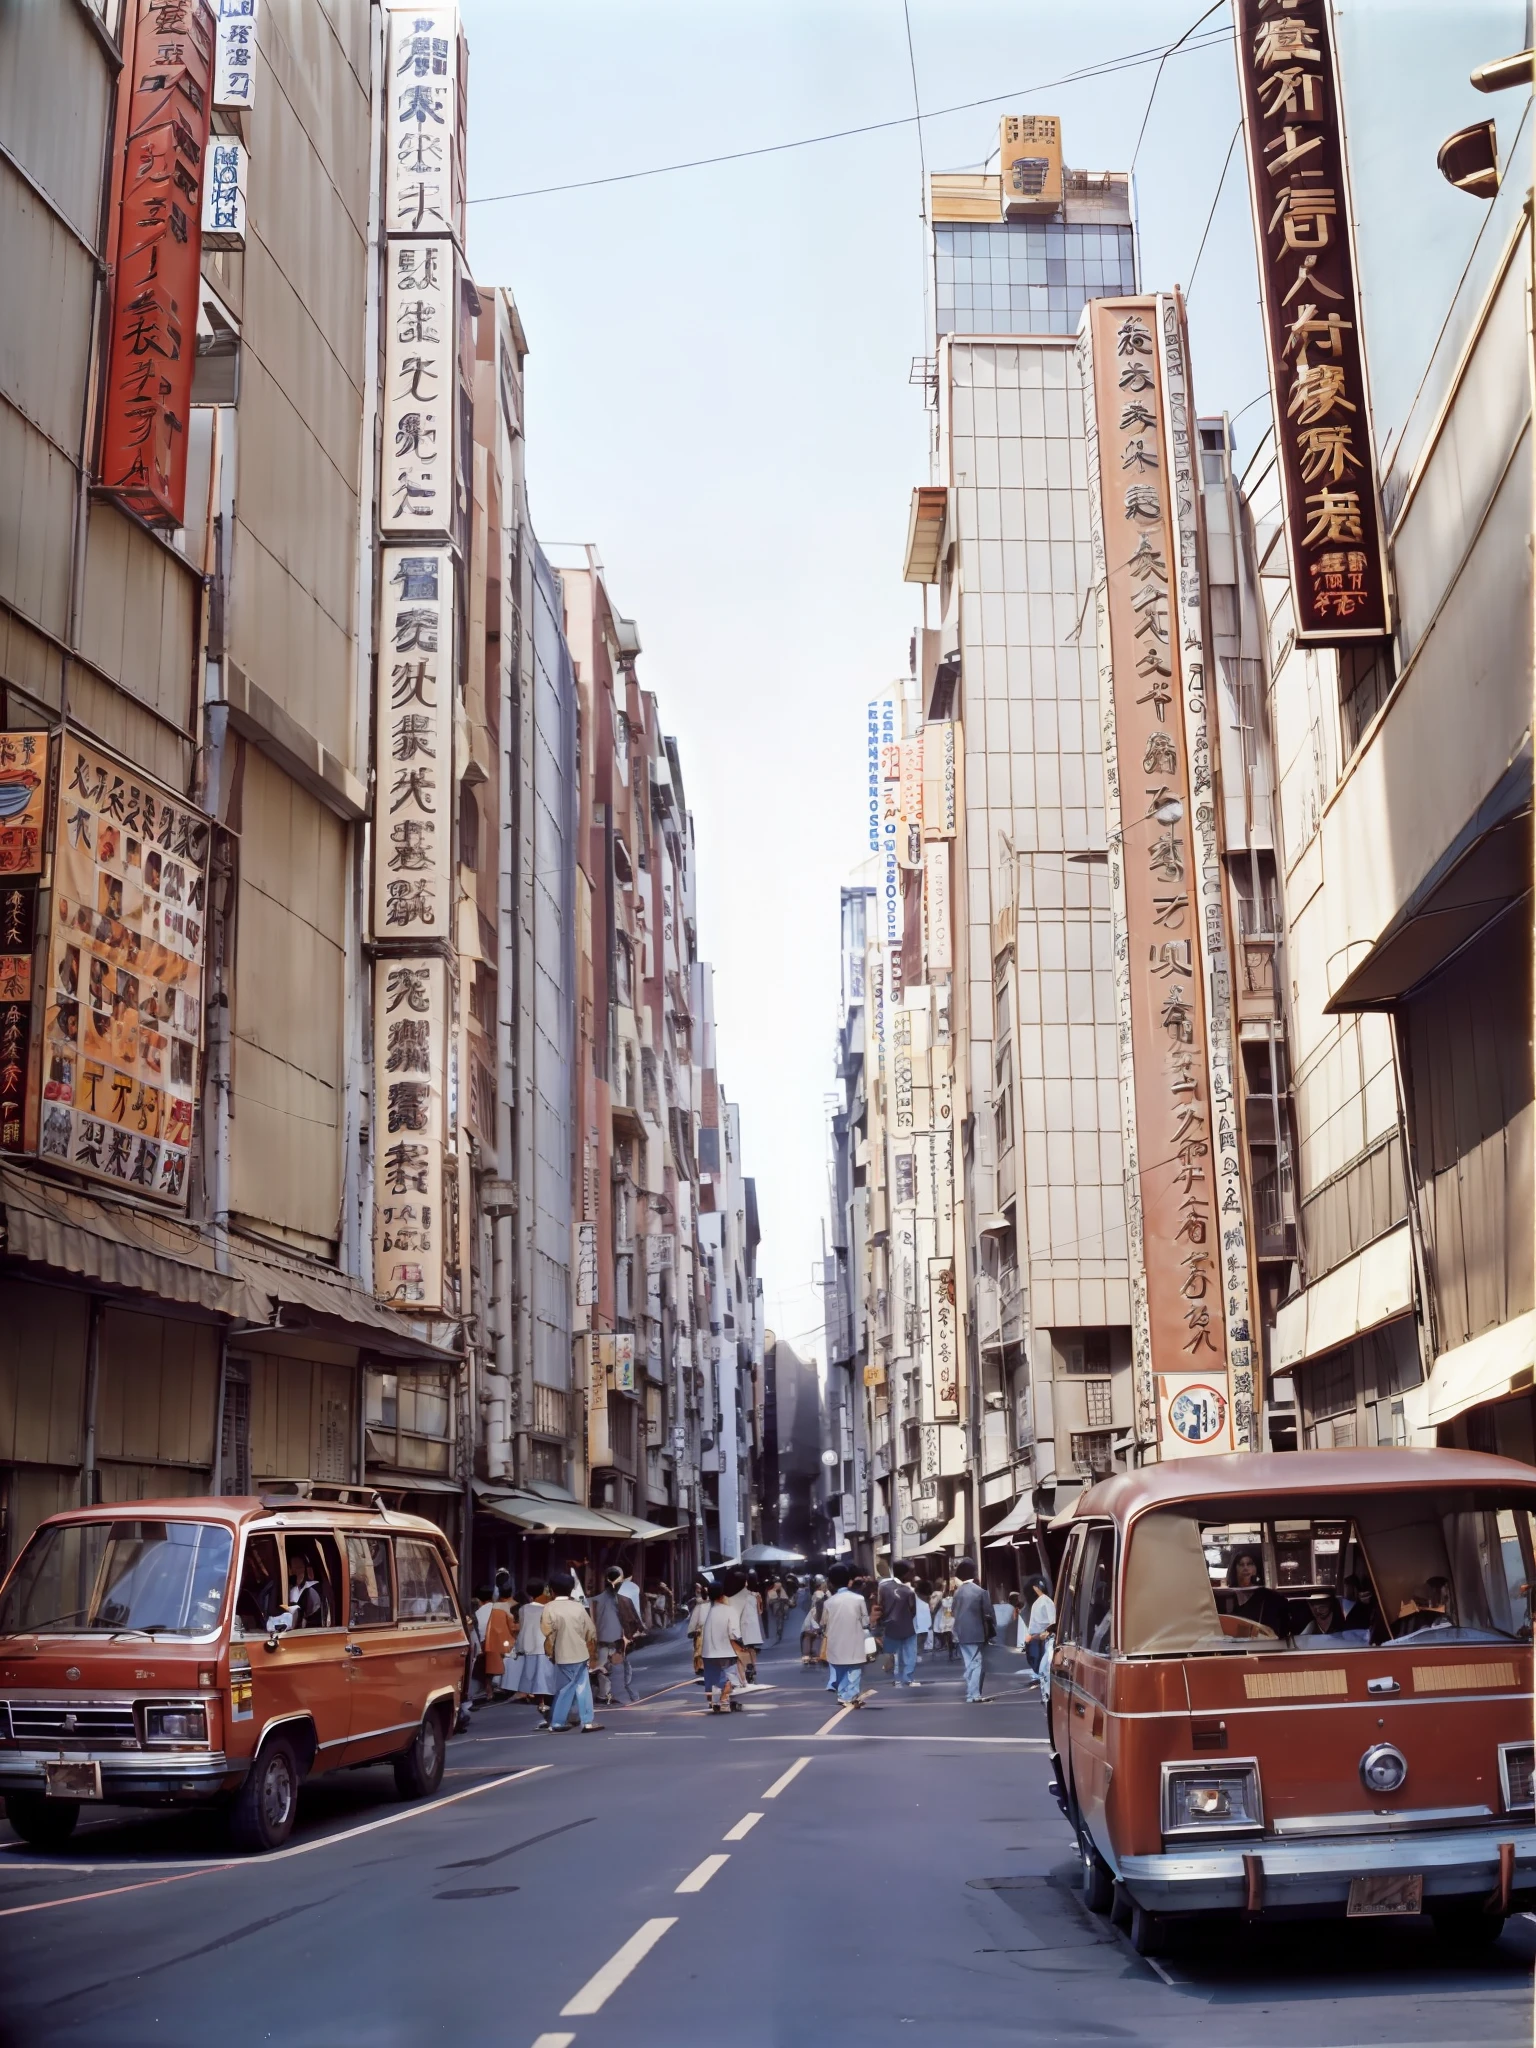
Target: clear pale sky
[[718, 389]]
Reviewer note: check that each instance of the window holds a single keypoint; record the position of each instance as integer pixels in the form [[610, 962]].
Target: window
[[371, 1602], [424, 1590], [165, 1576], [1096, 1583], [410, 1421], [314, 1579], [1093, 1452], [1083, 1351], [548, 1461], [469, 828], [1365, 682], [1100, 1404], [549, 1409]]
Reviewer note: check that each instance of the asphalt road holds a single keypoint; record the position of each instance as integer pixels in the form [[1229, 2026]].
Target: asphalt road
[[789, 1874]]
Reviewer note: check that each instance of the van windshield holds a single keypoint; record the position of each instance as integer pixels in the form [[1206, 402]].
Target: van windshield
[[150, 1578], [1444, 1568]]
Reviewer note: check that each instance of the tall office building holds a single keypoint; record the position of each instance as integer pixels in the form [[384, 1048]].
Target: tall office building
[[1003, 532]]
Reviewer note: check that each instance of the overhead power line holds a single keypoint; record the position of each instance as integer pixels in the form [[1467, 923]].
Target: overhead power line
[[1220, 184], [1157, 77], [1131, 62]]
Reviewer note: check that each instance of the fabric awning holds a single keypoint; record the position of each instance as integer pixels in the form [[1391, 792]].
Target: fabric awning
[[1501, 1361], [642, 1531], [288, 1297], [551, 1517], [1372, 1288], [116, 1246], [950, 1537], [1019, 1516], [130, 1249]]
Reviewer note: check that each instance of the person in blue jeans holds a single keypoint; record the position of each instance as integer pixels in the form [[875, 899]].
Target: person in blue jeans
[[896, 1619], [847, 1625], [973, 1614], [570, 1639]]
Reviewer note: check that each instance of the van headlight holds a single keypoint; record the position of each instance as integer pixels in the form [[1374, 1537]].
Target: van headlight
[[187, 1723], [1198, 1799]]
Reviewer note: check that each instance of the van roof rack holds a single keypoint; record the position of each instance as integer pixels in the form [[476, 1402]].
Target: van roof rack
[[275, 1493]]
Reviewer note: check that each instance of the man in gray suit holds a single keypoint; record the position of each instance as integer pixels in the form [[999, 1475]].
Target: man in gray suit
[[974, 1626]]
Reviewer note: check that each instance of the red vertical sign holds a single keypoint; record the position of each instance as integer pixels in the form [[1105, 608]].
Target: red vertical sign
[[156, 258]]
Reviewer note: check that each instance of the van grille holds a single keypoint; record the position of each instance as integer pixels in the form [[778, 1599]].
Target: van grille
[[73, 1724]]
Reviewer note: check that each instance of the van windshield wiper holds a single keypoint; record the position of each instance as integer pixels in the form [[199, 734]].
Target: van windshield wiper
[[37, 1627]]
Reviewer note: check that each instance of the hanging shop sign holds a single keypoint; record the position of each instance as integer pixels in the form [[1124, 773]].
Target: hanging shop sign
[[1149, 661], [234, 63], [944, 1334], [1293, 125], [938, 943], [224, 192], [623, 1381], [155, 257], [424, 138], [940, 779], [883, 760], [123, 1010], [413, 747], [586, 1265], [23, 813], [411, 1021]]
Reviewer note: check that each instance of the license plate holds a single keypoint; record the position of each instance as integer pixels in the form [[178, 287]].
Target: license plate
[[71, 1781], [1387, 1894]]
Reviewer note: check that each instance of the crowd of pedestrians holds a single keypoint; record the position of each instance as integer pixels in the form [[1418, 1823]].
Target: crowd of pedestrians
[[567, 1653]]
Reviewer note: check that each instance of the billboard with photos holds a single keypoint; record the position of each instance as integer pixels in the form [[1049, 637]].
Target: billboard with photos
[[123, 1016]]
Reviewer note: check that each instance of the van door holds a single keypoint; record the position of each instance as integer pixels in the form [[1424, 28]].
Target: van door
[[307, 1672], [1092, 1609], [1063, 1660], [428, 1626], [381, 1691]]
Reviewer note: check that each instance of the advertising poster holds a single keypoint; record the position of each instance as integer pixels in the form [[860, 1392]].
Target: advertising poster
[[123, 1016]]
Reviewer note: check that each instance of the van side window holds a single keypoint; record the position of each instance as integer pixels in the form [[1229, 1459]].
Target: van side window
[[1066, 1612], [424, 1593], [371, 1598], [1095, 1590], [261, 1585], [314, 1579]]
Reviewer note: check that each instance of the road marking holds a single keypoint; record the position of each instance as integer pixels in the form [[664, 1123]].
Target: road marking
[[743, 1828], [1153, 1964], [782, 1784], [554, 2041], [277, 1856], [841, 1715], [1008, 1741], [697, 1878], [597, 1990]]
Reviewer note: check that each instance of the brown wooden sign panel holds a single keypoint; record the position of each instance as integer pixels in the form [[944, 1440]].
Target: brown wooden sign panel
[[1293, 127]]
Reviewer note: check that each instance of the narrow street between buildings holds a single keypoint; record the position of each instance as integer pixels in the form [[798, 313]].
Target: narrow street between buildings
[[796, 1872]]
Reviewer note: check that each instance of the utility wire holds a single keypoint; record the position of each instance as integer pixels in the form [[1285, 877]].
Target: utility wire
[[1131, 62], [1221, 181], [917, 105], [1157, 77]]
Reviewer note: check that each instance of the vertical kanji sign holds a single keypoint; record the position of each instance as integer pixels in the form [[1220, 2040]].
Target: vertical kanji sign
[[411, 1024], [155, 257], [1294, 131], [1167, 948], [413, 833]]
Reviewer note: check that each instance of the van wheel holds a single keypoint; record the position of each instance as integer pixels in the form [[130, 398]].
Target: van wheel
[[419, 1769], [1149, 1931], [267, 1804], [1467, 1927], [45, 1823], [1098, 1878]]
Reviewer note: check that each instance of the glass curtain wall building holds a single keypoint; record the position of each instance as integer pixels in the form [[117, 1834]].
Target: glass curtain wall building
[[1027, 276]]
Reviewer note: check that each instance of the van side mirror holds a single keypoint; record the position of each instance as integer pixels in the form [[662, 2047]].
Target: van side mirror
[[278, 1626]]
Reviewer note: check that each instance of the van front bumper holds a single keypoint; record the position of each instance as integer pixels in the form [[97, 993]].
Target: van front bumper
[[130, 1777], [1458, 1863]]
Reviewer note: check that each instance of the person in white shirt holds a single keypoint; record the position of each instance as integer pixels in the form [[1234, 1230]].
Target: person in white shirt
[[1041, 1624], [748, 1618], [720, 1644]]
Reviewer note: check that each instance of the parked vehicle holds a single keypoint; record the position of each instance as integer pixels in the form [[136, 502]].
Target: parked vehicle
[[171, 1652], [1300, 1684]]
